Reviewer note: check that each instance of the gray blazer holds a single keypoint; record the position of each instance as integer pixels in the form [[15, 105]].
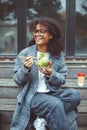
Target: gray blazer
[[28, 82]]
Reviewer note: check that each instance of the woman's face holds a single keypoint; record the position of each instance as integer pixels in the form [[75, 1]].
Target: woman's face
[[41, 35]]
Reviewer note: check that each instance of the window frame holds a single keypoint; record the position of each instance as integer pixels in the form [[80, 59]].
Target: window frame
[[21, 24], [70, 27]]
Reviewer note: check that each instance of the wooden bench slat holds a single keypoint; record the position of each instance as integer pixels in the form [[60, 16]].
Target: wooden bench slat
[[7, 101], [7, 107], [7, 82], [9, 92], [9, 104]]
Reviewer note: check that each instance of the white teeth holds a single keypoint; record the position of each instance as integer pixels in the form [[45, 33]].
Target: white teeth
[[38, 38]]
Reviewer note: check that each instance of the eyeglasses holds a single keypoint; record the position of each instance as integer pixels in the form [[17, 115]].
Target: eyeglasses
[[41, 31]]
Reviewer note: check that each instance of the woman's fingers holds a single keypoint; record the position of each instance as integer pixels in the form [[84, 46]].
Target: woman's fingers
[[46, 71], [28, 62]]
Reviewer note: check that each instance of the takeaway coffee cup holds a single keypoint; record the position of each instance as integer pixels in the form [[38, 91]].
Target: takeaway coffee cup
[[81, 78]]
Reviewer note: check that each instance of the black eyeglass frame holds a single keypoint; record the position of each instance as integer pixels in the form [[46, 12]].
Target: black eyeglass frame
[[41, 31]]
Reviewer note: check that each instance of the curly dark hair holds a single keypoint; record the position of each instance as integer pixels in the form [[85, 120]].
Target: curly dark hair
[[55, 46]]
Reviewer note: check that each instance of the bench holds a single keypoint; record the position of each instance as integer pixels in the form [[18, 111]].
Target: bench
[[9, 90]]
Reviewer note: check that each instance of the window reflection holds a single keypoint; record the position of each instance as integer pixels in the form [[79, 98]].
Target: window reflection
[[8, 27], [81, 28], [50, 8]]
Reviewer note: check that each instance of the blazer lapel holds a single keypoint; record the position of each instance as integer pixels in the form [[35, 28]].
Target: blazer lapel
[[33, 52]]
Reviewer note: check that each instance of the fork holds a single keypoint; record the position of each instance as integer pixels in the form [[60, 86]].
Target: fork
[[26, 56]]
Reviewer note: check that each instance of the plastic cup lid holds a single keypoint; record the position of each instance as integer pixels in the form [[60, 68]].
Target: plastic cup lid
[[81, 74]]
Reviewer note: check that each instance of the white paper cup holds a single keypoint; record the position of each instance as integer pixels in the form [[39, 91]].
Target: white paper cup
[[81, 78]]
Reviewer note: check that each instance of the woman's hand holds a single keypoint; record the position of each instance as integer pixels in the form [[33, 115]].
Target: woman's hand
[[28, 62], [47, 71]]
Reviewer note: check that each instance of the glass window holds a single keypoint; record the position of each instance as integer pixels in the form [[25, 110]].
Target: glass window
[[81, 28], [51, 8], [35, 8], [8, 27]]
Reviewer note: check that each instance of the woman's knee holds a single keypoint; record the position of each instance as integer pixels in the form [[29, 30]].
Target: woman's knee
[[75, 96], [56, 104]]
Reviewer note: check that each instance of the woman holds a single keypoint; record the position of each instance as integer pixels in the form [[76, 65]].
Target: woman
[[41, 92]]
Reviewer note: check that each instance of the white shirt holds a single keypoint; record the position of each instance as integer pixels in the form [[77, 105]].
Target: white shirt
[[42, 85]]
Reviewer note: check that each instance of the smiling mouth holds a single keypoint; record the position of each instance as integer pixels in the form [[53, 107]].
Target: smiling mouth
[[38, 38]]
